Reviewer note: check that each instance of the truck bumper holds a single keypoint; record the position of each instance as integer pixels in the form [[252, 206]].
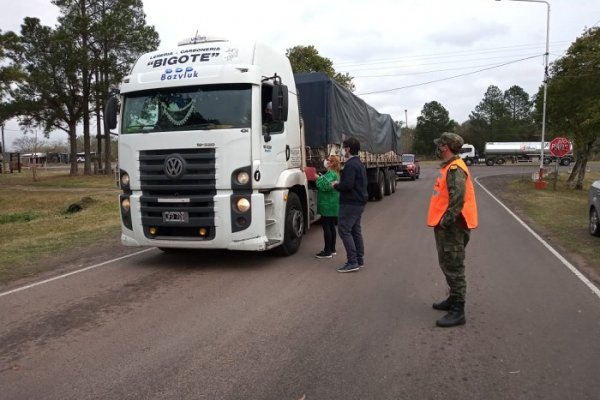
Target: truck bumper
[[253, 238]]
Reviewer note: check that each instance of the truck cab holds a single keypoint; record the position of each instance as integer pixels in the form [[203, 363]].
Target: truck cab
[[200, 166]]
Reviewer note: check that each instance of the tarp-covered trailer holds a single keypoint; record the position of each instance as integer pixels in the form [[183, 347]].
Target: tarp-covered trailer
[[332, 113]]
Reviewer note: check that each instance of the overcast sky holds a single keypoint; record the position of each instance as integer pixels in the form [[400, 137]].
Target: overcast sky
[[401, 53]]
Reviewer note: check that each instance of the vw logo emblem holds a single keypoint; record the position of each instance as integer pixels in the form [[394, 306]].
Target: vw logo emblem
[[174, 166]]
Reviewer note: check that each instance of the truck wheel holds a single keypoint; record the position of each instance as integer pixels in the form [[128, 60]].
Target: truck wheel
[[380, 189], [387, 183], [489, 162], [565, 162], [500, 161], [469, 162], [393, 180], [594, 223], [547, 161], [294, 226]]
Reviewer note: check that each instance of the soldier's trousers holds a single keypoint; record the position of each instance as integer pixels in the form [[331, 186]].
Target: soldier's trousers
[[451, 244]]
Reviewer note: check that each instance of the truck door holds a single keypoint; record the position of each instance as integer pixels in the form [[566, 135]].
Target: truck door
[[280, 147]]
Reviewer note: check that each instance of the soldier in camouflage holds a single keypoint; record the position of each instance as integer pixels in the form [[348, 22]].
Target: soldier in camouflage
[[452, 214]]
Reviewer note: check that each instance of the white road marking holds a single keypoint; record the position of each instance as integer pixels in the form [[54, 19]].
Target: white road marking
[[20, 289], [563, 260]]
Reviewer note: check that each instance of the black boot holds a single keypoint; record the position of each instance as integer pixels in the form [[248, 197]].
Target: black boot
[[455, 316], [443, 305]]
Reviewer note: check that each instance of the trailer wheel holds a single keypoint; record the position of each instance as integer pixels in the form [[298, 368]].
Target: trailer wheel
[[380, 189], [294, 226], [387, 183], [500, 161], [547, 161], [469, 162], [393, 180], [565, 162], [489, 162], [594, 223]]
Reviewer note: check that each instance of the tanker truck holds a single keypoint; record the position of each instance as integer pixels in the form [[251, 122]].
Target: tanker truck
[[502, 152], [199, 165]]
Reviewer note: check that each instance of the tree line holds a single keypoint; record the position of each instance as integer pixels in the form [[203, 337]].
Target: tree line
[[572, 110]]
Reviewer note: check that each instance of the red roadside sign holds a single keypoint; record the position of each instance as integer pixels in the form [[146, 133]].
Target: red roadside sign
[[560, 147]]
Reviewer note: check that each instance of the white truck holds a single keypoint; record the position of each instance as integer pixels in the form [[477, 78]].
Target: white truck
[[201, 167], [498, 153]]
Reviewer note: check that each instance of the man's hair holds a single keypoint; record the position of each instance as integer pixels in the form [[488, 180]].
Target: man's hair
[[354, 145]]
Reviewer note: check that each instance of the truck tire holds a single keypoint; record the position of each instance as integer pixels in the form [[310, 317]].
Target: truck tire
[[387, 183], [393, 180], [294, 226], [469, 162], [547, 161], [594, 223], [489, 162], [565, 162], [380, 188]]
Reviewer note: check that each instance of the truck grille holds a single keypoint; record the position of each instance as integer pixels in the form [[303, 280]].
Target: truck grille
[[181, 181]]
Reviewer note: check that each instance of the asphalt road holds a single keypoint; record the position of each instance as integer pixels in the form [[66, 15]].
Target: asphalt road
[[222, 325]]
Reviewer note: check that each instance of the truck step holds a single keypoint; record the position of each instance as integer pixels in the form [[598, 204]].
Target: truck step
[[270, 222], [272, 242]]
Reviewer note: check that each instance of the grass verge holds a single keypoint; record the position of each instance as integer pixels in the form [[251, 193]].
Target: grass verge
[[35, 226], [559, 214]]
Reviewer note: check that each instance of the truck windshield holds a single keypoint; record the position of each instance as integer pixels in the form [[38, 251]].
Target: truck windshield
[[188, 108]]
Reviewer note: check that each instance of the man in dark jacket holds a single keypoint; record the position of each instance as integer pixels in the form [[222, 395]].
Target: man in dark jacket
[[353, 198]]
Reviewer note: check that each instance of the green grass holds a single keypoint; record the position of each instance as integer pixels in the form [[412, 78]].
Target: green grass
[[561, 212], [35, 224]]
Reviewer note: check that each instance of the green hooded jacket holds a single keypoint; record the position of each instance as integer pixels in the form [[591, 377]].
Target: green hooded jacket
[[328, 199]]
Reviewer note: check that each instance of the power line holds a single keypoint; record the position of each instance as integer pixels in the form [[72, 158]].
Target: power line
[[435, 70], [447, 78]]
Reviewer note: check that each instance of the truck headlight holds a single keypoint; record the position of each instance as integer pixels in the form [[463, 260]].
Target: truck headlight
[[242, 204], [125, 204], [242, 178], [124, 180]]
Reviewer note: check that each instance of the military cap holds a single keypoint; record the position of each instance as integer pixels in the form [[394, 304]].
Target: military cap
[[452, 140]]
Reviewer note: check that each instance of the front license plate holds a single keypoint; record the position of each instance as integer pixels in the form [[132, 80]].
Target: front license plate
[[175, 216]]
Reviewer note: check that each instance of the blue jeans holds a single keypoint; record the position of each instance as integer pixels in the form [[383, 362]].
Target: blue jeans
[[351, 233]]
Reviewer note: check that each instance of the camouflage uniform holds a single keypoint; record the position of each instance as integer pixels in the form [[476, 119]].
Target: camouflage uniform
[[452, 235]]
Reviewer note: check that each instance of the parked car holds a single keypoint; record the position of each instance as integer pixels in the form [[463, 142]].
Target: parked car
[[594, 208], [410, 167]]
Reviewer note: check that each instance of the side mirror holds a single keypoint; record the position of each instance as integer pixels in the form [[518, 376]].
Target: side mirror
[[280, 103], [110, 113]]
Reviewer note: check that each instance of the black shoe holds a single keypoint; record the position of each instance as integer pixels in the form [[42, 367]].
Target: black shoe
[[348, 268], [455, 316], [323, 255], [361, 263], [443, 305]]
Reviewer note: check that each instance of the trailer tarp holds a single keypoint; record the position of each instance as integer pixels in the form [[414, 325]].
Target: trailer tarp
[[332, 113]]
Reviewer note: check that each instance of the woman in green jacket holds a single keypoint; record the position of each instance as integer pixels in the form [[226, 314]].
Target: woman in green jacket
[[328, 204]]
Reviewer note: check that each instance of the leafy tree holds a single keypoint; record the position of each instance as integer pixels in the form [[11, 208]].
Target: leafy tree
[[307, 59], [112, 33], [573, 107], [490, 115], [433, 121], [9, 74], [50, 95], [519, 113]]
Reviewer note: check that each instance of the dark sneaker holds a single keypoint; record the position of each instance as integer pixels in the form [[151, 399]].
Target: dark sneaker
[[361, 263], [323, 255], [348, 268]]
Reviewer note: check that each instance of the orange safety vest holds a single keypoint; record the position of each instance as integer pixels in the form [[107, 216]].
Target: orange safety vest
[[440, 197]]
